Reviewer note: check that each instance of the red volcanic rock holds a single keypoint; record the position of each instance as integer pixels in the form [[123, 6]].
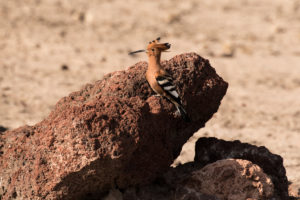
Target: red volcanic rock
[[112, 133], [209, 150], [231, 179]]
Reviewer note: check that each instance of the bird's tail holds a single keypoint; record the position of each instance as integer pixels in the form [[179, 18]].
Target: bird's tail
[[183, 113]]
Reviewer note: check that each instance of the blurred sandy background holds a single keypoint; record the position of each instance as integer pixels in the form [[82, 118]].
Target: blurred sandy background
[[49, 48]]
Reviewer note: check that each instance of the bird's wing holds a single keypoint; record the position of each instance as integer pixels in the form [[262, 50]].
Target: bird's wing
[[166, 83]]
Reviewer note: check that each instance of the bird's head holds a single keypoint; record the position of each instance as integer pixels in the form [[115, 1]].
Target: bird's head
[[154, 48]]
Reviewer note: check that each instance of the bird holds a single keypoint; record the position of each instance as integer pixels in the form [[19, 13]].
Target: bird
[[158, 78]]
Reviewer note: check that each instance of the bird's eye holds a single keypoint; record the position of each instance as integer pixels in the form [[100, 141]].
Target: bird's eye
[[152, 49]]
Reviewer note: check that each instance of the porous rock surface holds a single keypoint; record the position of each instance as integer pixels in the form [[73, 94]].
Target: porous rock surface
[[112, 133]]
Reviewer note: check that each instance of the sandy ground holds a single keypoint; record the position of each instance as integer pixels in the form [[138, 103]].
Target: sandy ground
[[253, 44]]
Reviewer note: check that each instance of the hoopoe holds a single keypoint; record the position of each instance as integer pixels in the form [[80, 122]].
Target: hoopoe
[[159, 80]]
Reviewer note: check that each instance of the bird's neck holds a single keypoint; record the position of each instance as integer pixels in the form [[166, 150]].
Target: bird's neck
[[154, 63]]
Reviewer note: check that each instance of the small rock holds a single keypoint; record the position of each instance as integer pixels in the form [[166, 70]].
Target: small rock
[[2, 128], [279, 29], [233, 179], [81, 16], [103, 59], [63, 33], [209, 150], [228, 50], [64, 67]]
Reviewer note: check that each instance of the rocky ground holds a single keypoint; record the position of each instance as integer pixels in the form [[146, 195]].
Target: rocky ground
[[51, 48]]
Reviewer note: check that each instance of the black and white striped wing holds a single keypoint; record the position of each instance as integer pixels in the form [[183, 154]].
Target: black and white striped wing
[[166, 83]]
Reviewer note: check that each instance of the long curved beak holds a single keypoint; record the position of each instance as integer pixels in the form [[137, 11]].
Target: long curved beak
[[138, 51]]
